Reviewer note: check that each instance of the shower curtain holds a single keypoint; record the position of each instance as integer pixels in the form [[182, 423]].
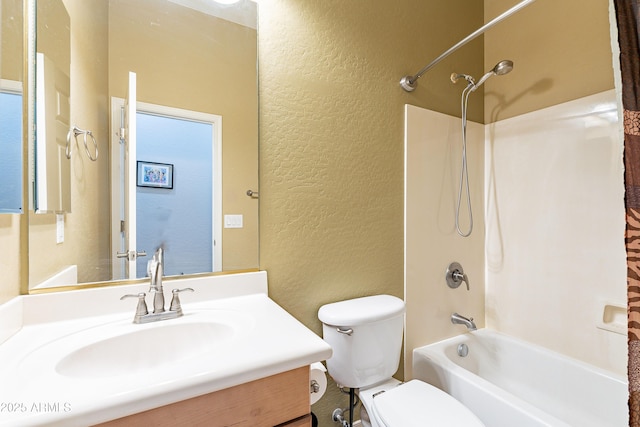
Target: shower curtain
[[628, 16]]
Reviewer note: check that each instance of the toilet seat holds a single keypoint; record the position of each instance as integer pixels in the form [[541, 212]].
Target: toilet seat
[[418, 404]]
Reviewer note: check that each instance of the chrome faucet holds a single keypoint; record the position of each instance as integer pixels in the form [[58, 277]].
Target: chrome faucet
[[155, 268], [457, 319]]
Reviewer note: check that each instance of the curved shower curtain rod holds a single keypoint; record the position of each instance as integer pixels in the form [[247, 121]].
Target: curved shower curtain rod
[[409, 83]]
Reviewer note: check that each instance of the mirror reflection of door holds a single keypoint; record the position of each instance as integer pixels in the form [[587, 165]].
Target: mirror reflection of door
[[128, 146], [177, 195], [52, 175]]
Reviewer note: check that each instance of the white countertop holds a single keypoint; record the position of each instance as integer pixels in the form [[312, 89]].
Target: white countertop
[[268, 341]]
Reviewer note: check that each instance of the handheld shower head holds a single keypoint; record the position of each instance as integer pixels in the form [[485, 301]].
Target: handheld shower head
[[501, 68]]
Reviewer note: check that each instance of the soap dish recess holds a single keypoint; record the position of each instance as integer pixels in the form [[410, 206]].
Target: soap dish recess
[[612, 317]]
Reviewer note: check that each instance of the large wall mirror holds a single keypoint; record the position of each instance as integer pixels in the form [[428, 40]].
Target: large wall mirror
[[151, 138]]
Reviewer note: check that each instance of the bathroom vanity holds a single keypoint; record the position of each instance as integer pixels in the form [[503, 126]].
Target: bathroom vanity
[[234, 358], [280, 400]]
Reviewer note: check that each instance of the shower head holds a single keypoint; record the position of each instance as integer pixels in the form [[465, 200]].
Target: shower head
[[501, 68]]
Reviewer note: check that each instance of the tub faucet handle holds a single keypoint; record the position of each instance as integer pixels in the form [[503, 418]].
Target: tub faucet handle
[[461, 277], [455, 276]]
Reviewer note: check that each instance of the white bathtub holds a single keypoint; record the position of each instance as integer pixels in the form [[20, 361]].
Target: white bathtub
[[511, 383]]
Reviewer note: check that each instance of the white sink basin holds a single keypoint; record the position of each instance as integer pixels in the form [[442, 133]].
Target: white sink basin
[[121, 348], [145, 349]]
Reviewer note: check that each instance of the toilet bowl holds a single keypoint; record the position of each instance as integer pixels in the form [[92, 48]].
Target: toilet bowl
[[366, 337]]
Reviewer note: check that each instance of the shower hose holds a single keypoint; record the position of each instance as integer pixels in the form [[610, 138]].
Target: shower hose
[[464, 173]]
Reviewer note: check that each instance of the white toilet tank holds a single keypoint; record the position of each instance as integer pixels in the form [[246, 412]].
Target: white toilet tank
[[366, 337]]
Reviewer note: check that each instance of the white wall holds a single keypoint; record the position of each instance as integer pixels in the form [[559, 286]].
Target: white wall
[[555, 228]]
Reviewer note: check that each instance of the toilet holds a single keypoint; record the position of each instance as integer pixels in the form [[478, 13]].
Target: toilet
[[366, 337]]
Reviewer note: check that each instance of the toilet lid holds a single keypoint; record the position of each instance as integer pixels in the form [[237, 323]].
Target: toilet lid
[[418, 404]]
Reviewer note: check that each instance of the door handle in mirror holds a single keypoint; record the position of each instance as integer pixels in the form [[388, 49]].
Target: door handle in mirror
[[131, 255]]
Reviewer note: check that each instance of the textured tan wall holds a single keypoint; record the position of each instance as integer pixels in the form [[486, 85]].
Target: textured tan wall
[[331, 141], [561, 51]]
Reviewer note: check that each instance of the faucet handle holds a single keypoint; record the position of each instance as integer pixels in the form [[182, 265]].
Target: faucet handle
[[141, 310], [175, 299], [455, 276]]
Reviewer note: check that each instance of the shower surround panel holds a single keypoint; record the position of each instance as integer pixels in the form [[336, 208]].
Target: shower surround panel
[[555, 228], [547, 197], [433, 151]]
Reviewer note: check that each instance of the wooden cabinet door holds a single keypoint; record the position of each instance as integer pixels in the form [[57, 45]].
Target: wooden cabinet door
[[267, 402]]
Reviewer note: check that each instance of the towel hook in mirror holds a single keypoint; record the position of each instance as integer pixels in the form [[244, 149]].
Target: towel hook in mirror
[[76, 131]]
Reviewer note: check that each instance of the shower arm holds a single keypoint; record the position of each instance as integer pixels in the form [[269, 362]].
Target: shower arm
[[409, 83]]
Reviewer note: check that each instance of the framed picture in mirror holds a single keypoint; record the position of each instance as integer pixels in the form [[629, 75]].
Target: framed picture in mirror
[[156, 175]]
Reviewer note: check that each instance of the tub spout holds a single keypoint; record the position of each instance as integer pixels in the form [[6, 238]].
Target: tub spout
[[457, 319]]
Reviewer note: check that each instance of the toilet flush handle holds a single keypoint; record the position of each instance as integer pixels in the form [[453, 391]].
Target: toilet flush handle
[[346, 331]]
